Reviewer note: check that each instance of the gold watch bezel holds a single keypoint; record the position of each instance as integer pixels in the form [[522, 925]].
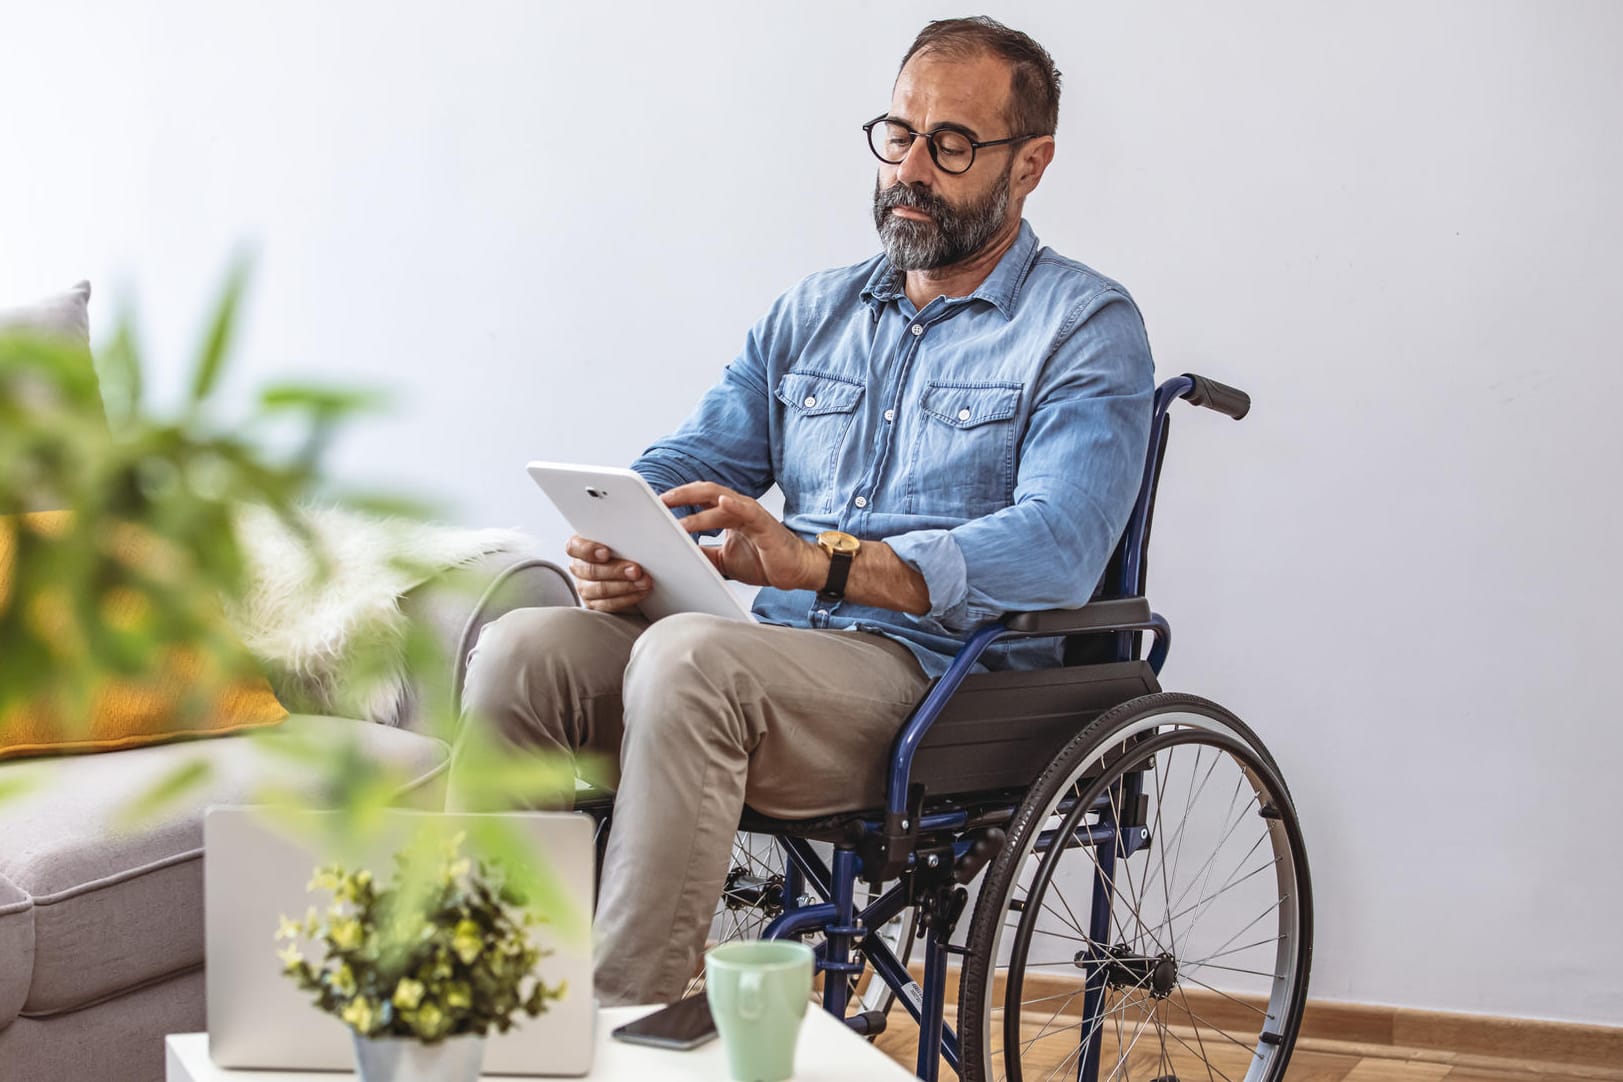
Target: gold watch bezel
[[838, 542]]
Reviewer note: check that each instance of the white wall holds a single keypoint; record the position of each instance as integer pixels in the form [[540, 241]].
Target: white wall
[[545, 227]]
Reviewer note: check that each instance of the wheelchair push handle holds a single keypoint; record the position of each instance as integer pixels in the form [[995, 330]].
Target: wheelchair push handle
[[1216, 396]]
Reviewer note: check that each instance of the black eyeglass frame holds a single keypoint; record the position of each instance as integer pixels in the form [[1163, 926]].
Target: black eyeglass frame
[[929, 138]]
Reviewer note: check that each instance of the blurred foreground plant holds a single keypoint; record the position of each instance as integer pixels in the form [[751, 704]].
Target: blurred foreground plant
[[152, 500], [176, 485]]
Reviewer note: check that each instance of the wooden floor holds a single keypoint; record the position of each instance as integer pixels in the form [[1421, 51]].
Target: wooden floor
[[1339, 1042], [1313, 1061]]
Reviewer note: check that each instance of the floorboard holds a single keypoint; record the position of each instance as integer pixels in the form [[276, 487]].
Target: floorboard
[[1320, 1063]]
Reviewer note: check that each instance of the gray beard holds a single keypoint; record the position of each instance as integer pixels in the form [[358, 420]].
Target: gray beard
[[954, 234]]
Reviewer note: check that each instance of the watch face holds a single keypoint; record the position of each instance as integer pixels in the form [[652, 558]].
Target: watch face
[[836, 542]]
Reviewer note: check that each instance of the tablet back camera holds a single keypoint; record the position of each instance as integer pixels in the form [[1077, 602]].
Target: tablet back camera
[[595, 493]]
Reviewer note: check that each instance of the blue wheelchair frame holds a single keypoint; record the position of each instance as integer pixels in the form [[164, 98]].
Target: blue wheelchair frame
[[1127, 615]]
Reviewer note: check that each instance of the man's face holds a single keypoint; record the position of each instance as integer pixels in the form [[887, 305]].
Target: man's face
[[928, 218]]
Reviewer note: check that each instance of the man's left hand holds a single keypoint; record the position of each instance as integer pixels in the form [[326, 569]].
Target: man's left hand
[[756, 548]]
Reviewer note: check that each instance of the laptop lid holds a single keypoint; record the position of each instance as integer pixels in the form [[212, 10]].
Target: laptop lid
[[256, 870]]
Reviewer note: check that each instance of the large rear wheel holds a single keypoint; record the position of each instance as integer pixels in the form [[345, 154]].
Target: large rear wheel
[[1150, 915]]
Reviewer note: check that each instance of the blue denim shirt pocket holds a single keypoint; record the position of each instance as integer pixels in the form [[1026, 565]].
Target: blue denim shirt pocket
[[819, 409], [962, 460]]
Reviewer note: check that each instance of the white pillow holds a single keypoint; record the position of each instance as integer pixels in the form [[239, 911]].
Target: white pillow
[[67, 314]]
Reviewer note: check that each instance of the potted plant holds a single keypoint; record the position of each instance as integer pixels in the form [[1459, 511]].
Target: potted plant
[[422, 969]]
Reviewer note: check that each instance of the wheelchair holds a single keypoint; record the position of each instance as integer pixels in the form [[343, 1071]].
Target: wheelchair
[[1129, 860]]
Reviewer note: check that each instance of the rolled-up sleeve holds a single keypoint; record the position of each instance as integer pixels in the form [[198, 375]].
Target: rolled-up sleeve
[[935, 555], [727, 437], [1080, 461]]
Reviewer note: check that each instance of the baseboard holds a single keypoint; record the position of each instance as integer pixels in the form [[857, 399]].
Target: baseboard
[[1397, 1032], [1467, 1035]]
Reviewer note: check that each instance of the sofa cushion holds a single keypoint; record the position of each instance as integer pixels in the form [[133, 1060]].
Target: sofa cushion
[[126, 711], [116, 902], [65, 319]]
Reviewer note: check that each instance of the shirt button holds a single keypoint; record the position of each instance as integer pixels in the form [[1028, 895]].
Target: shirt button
[[811, 400], [963, 415], [861, 501], [890, 415], [917, 330], [822, 614]]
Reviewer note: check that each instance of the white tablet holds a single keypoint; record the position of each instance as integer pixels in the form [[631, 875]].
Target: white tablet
[[617, 508]]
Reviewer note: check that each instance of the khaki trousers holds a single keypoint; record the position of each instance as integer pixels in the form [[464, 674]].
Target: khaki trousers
[[702, 714]]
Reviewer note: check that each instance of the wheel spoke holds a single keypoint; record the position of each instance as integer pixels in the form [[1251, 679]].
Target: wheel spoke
[[1206, 901], [1230, 882], [1238, 1002], [1186, 967], [1123, 1054], [1233, 825], [1127, 867], [1204, 1058], [1224, 950], [1161, 777]]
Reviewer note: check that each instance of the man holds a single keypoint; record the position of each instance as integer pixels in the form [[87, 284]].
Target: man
[[963, 420]]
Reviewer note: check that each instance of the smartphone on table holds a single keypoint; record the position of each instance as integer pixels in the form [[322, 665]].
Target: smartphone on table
[[682, 1025]]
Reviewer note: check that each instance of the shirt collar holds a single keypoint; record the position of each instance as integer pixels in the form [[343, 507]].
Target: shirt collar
[[1001, 288]]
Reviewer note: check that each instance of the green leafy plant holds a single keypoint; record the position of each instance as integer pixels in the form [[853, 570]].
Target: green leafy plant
[[152, 498], [442, 951], [87, 437]]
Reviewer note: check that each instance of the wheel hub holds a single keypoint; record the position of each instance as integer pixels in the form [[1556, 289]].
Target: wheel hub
[[1126, 968], [745, 889]]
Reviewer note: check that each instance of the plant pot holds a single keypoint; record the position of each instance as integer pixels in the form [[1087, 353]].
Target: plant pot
[[401, 1059]]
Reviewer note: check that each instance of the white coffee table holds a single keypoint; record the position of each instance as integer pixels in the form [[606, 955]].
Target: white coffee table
[[826, 1050]]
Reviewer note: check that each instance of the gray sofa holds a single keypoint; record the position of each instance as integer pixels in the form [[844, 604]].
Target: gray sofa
[[101, 921], [101, 925]]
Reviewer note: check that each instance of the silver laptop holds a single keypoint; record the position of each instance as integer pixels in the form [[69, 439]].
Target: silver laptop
[[255, 870]]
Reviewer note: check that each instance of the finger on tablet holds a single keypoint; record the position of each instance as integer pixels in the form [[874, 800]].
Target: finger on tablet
[[599, 590], [622, 570], [586, 549], [698, 493]]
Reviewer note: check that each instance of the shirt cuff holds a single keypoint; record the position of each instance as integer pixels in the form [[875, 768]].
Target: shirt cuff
[[935, 555]]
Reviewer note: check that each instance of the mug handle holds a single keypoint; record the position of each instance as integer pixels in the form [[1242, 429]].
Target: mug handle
[[750, 999]]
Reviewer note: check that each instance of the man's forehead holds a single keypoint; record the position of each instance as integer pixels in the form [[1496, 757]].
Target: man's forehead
[[972, 90]]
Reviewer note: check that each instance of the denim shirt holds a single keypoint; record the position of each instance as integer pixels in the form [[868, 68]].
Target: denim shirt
[[994, 441]]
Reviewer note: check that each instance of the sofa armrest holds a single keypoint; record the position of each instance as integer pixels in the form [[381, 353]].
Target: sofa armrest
[[456, 606], [16, 949]]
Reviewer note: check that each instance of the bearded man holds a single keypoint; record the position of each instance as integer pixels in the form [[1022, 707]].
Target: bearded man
[[957, 426]]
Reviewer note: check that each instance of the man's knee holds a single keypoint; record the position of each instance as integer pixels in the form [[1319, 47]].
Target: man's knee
[[527, 649], [683, 656], [519, 639]]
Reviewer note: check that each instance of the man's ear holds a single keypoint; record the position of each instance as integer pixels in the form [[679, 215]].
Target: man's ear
[[1030, 163]]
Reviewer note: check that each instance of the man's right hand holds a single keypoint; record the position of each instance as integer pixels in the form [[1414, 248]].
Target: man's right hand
[[606, 583]]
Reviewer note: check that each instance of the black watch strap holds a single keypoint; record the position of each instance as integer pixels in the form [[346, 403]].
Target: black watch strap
[[839, 569]]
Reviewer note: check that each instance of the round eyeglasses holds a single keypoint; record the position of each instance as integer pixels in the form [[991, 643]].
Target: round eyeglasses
[[950, 149]]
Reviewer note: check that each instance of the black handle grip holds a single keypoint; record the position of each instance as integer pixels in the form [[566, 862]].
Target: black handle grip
[[1217, 396]]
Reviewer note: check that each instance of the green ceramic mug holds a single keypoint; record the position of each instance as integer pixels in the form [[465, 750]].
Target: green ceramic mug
[[758, 990]]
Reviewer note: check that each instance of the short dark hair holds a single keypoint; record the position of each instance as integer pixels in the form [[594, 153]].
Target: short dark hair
[[1034, 96]]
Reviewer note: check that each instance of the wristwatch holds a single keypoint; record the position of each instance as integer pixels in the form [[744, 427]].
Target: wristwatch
[[841, 547]]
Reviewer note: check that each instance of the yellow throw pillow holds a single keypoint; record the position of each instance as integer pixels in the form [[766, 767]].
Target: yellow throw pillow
[[128, 713]]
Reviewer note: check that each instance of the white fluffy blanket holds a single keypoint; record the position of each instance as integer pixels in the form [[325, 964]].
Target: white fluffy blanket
[[335, 644]]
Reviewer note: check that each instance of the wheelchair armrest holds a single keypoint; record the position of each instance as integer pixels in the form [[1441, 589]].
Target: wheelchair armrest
[[1111, 615]]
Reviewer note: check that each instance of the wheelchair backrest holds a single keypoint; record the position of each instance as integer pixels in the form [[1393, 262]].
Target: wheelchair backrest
[[1127, 573]]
